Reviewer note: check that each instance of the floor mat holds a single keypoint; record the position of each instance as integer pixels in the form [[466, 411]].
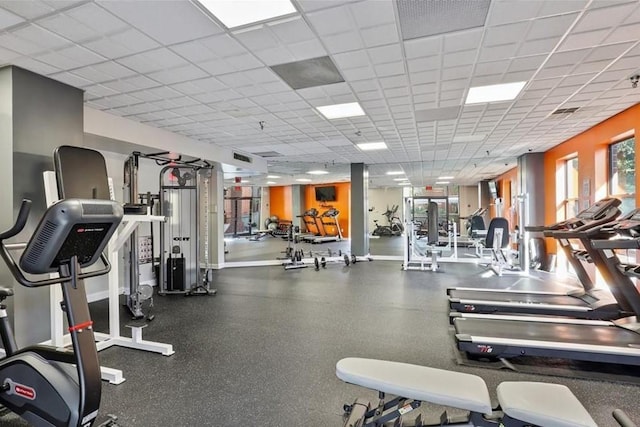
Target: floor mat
[[556, 367]]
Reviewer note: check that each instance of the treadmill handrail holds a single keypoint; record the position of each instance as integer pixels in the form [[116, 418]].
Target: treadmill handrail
[[616, 244], [611, 215]]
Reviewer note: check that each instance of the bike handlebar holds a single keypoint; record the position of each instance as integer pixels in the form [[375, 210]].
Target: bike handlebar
[[21, 221]]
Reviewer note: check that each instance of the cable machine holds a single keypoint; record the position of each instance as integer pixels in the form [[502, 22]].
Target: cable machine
[[140, 249]]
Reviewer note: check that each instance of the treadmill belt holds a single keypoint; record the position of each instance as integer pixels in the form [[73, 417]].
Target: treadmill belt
[[520, 298], [552, 332]]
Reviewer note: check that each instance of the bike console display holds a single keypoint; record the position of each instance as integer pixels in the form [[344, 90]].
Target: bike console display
[[72, 227]]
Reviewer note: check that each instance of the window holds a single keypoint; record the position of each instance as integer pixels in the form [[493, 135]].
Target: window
[[622, 173], [572, 191]]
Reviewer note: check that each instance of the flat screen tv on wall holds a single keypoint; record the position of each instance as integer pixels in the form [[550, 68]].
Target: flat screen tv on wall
[[326, 194]]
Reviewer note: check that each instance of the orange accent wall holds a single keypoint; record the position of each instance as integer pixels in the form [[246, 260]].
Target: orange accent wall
[[342, 203], [591, 148], [280, 202]]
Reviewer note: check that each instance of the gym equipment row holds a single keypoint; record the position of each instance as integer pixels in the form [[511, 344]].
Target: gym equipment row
[[323, 227], [521, 403]]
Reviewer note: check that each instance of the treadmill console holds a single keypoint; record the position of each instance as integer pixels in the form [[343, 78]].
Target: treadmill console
[[598, 209]]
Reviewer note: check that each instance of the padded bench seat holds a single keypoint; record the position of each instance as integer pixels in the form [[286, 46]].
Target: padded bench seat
[[447, 388], [542, 404]]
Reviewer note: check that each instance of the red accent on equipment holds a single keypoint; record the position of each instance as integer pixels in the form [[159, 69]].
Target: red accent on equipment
[[80, 326]]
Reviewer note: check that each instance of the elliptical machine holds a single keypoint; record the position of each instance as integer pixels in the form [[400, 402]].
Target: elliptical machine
[[394, 226], [44, 385]]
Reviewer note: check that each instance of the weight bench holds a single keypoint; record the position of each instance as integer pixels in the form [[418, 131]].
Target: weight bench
[[521, 403]]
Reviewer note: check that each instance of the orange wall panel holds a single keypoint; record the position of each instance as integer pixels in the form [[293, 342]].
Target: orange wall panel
[[342, 203], [591, 148], [280, 202]]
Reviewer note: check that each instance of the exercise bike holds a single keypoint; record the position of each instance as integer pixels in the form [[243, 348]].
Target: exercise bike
[[394, 227], [44, 385]]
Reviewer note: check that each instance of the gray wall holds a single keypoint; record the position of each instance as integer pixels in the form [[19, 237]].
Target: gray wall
[[43, 115], [531, 182]]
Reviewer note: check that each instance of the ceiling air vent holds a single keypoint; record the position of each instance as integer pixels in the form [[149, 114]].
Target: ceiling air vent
[[266, 154], [427, 18], [309, 73], [242, 157], [566, 110]]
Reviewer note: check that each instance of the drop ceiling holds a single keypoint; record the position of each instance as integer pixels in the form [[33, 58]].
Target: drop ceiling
[[170, 65]]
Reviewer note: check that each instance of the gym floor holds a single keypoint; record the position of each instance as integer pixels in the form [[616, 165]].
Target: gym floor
[[263, 351]]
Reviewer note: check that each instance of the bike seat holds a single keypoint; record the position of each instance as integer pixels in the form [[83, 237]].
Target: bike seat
[[5, 292]]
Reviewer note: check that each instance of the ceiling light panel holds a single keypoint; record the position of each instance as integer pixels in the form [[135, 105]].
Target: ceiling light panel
[[239, 13], [494, 93], [339, 111]]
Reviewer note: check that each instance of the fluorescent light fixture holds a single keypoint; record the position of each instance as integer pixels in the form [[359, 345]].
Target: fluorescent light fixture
[[318, 172], [271, 182], [404, 183], [395, 173], [273, 176], [244, 181], [340, 111], [368, 146], [494, 93], [442, 182], [303, 180], [234, 13], [469, 138], [401, 179], [445, 177]]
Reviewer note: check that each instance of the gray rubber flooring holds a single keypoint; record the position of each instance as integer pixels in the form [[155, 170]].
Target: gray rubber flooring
[[263, 351]]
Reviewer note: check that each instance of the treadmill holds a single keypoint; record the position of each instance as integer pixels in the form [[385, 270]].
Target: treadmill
[[586, 303], [615, 341]]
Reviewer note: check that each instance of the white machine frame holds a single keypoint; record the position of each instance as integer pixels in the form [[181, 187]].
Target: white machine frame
[[113, 338]]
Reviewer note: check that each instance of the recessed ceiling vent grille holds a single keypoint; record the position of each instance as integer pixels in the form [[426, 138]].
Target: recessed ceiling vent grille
[[420, 18], [309, 73], [267, 154], [566, 110]]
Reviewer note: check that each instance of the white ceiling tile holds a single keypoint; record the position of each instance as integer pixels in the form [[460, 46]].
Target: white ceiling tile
[[343, 42], [41, 37], [501, 34], [223, 45], [351, 60], [384, 54], [99, 91], [67, 27], [361, 73], [81, 56], [134, 40], [257, 38], [373, 14], [7, 56], [243, 62], [495, 53], [463, 40], [426, 46], [608, 52], [19, 45], [71, 79], [8, 19], [570, 57], [605, 17], [504, 11], [624, 33], [97, 18], [90, 73], [35, 65], [262, 75], [424, 64], [114, 69], [332, 21], [292, 31], [382, 35], [193, 51], [551, 26], [390, 69], [217, 67], [591, 67], [158, 59], [180, 74], [540, 46], [27, 9], [165, 21], [108, 48], [584, 40], [59, 61], [307, 49]]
